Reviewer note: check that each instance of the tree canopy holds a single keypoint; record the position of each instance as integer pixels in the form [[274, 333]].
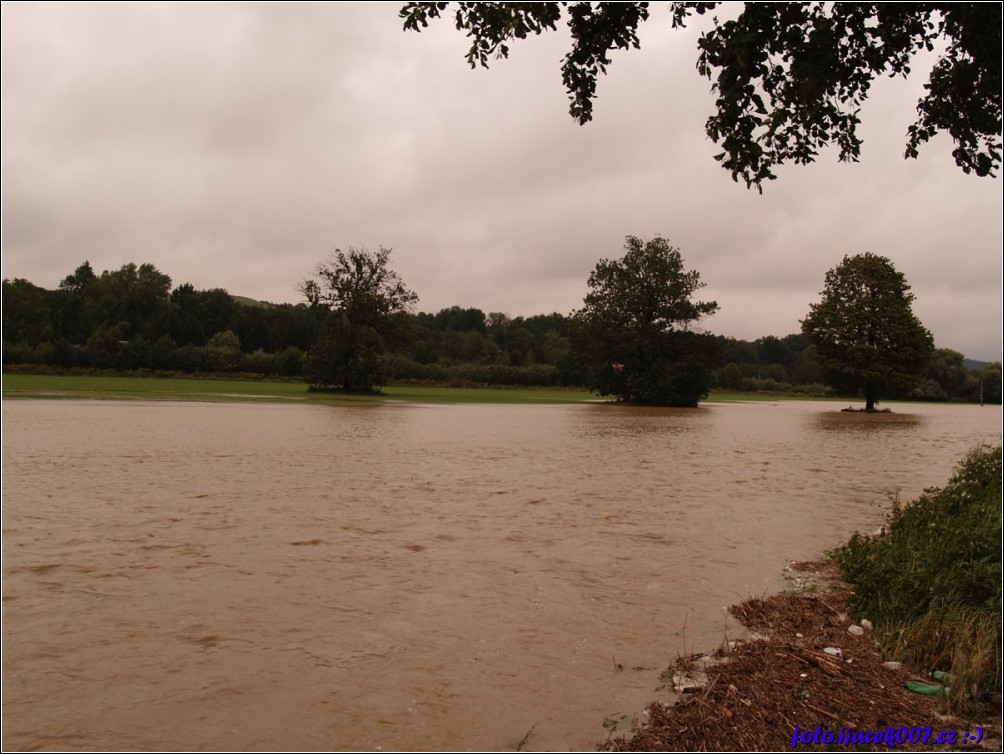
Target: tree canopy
[[868, 338], [26, 316], [634, 328], [362, 293], [789, 77]]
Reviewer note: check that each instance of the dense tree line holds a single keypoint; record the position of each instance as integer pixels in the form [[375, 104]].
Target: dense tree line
[[132, 319]]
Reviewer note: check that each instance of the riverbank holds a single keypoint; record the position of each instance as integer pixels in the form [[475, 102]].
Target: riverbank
[[786, 686]]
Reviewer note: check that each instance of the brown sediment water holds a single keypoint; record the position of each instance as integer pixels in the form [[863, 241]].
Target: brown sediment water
[[257, 577]]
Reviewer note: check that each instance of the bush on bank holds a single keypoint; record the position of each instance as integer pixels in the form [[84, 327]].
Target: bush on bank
[[931, 582]]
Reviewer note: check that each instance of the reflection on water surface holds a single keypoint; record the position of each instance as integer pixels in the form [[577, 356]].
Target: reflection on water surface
[[860, 423]]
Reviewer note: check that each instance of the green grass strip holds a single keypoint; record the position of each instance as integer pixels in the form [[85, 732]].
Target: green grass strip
[[108, 387], [160, 388]]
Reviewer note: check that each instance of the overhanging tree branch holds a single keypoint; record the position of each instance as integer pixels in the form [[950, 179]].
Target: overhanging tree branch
[[789, 78]]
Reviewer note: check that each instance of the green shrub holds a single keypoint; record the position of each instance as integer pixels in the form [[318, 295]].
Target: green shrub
[[931, 582]]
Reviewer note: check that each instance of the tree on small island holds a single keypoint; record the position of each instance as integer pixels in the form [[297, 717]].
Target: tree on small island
[[865, 331], [362, 295], [634, 331]]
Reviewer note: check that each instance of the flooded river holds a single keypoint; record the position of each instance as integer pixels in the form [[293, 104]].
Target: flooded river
[[257, 577]]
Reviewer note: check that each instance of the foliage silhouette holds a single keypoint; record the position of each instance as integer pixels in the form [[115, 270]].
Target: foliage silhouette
[[868, 337], [789, 78], [362, 294], [634, 330]]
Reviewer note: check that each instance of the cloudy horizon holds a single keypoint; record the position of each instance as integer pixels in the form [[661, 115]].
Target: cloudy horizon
[[237, 145]]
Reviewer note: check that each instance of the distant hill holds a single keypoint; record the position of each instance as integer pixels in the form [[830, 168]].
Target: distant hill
[[976, 366], [245, 301]]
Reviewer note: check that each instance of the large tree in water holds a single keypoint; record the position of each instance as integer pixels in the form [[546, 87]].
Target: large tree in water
[[865, 331], [634, 332]]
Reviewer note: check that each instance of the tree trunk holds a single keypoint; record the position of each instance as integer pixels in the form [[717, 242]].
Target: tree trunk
[[869, 398]]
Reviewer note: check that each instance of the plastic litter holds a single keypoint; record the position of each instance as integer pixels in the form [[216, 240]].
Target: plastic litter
[[928, 689], [855, 629], [892, 665], [835, 651]]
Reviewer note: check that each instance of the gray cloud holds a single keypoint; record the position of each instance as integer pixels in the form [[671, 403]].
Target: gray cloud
[[236, 145]]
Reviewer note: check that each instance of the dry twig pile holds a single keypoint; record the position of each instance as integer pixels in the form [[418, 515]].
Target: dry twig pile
[[782, 680]]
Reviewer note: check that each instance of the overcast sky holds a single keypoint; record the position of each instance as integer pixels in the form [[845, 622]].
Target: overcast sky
[[236, 145]]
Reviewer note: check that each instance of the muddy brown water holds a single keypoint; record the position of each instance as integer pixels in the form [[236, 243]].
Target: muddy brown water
[[256, 577]]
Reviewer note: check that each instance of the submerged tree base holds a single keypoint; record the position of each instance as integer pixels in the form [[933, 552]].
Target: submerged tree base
[[852, 410]]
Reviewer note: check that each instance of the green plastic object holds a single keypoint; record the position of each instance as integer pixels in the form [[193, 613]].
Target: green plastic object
[[928, 689]]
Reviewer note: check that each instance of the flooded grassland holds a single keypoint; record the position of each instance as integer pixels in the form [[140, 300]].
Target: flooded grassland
[[256, 577]]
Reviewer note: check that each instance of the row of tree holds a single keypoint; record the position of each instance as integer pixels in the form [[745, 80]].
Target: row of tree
[[130, 318], [635, 337]]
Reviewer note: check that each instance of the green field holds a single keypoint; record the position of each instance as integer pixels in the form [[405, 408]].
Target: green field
[[158, 388], [254, 391]]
